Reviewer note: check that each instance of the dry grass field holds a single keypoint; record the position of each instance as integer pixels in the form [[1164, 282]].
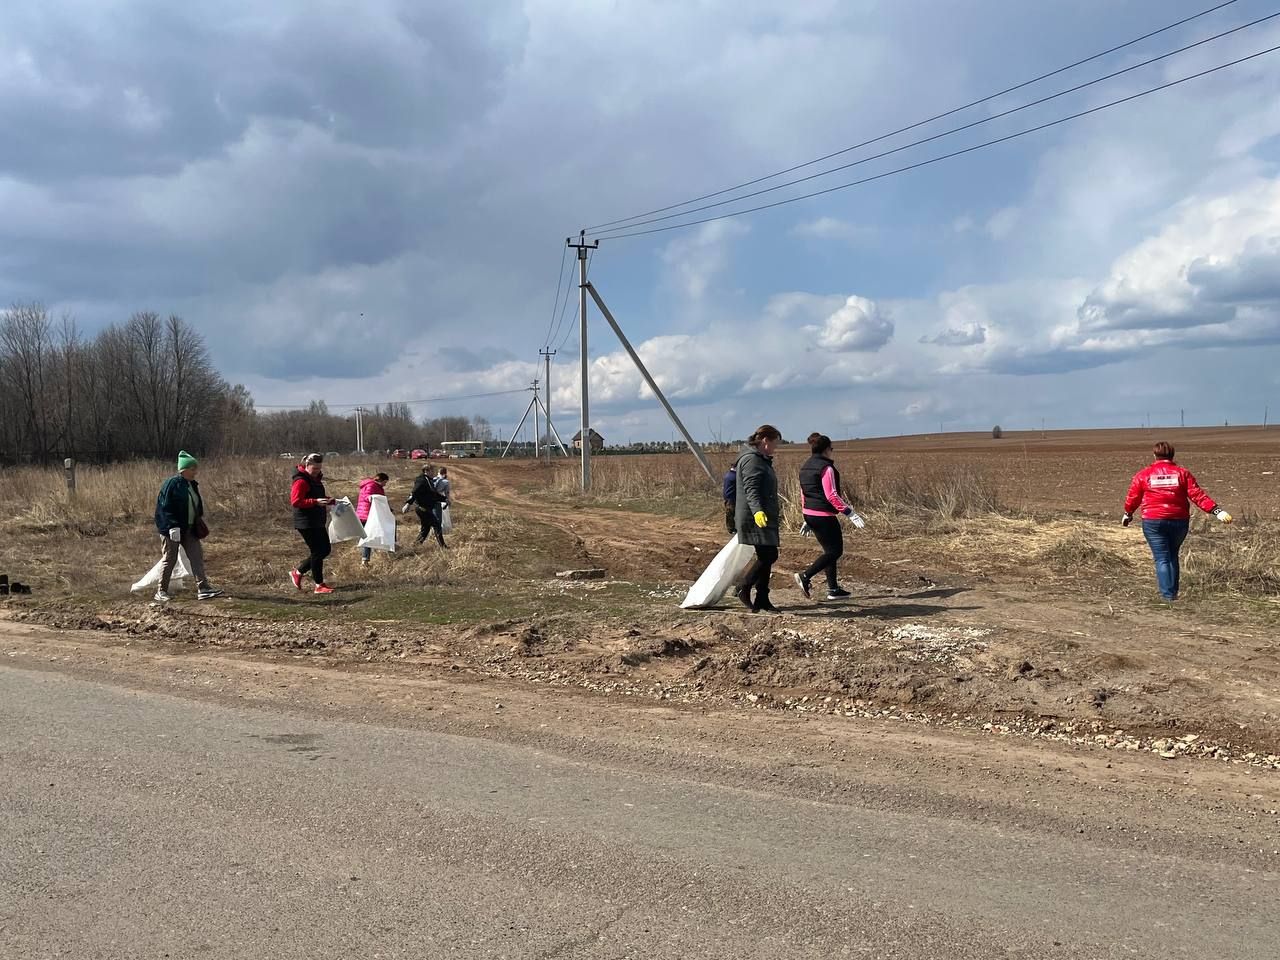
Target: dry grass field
[[993, 585]]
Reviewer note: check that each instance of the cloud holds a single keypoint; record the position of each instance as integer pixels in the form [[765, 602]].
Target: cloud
[[833, 229], [1003, 222], [1208, 278], [968, 335], [857, 325], [694, 262]]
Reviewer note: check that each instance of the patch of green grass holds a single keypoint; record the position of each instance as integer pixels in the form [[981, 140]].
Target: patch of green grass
[[442, 606], [425, 605]]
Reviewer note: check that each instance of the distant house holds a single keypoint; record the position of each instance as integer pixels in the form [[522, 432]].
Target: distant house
[[597, 441]]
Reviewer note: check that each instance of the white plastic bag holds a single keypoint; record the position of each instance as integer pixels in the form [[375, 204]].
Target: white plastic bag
[[152, 577], [729, 565], [446, 520], [380, 528], [343, 523]]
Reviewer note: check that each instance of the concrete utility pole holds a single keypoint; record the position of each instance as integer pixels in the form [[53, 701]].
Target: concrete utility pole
[[546, 406], [536, 454], [583, 359]]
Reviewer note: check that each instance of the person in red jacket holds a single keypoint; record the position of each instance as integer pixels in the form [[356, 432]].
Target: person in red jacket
[[310, 505], [1166, 492]]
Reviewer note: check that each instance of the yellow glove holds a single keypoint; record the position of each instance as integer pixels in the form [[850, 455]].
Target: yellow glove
[[1224, 516], [761, 520]]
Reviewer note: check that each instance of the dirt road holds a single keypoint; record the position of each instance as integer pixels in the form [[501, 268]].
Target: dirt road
[[160, 799]]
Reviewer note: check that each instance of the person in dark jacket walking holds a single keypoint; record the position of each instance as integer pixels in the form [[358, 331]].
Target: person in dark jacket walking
[[758, 514], [1166, 492], [180, 521], [730, 491], [427, 500], [823, 506], [311, 520]]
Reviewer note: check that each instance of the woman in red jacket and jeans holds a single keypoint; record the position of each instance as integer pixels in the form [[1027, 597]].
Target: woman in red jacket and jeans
[[1166, 492]]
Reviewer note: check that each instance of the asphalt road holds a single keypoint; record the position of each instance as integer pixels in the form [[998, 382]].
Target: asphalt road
[[135, 824]]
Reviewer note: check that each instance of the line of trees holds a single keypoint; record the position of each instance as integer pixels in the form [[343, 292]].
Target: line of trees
[[147, 388]]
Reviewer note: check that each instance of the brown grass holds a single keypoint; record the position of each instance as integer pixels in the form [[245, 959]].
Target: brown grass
[[959, 490], [104, 538]]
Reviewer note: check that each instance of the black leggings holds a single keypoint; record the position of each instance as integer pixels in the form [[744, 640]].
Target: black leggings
[[758, 576], [317, 540], [826, 530], [429, 520]]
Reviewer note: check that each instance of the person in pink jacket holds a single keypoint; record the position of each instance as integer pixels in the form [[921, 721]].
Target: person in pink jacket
[[823, 506], [370, 487]]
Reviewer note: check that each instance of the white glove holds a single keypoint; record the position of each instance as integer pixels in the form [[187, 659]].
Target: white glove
[[805, 531], [405, 508], [856, 520], [1223, 515], [175, 534]]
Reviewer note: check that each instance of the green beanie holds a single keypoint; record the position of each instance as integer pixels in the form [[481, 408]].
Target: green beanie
[[186, 461]]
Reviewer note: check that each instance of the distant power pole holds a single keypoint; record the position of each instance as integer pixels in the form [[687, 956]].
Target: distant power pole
[[1182, 418], [1266, 411], [546, 406], [584, 361], [536, 453]]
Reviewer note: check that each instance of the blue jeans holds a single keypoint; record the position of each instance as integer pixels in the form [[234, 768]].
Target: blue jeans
[[1165, 539]]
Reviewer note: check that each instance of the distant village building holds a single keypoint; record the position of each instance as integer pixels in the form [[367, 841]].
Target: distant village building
[[597, 441]]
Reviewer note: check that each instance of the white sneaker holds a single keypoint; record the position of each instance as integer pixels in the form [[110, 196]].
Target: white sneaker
[[162, 597]]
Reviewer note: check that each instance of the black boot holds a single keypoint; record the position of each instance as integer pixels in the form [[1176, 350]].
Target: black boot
[[762, 604]]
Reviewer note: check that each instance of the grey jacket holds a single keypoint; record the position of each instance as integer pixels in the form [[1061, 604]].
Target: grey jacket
[[757, 490]]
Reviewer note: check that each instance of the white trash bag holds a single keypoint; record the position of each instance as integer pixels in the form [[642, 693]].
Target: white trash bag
[[380, 528], [446, 520], [343, 523], [152, 578], [721, 574]]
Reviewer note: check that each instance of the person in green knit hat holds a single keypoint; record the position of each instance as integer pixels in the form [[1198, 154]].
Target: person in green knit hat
[[180, 522]]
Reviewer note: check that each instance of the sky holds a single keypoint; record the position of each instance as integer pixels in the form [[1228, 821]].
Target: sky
[[368, 203]]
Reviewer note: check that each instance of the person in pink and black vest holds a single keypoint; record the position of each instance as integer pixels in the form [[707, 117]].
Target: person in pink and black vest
[[823, 506]]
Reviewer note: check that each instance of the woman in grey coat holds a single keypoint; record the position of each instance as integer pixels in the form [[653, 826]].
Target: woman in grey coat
[[759, 514]]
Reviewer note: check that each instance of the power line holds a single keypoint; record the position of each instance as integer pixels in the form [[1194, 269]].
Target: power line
[[959, 129], [947, 156], [919, 123], [384, 403], [563, 309], [556, 304], [568, 333]]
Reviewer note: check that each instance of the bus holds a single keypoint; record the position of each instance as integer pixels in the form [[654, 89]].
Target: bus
[[459, 449]]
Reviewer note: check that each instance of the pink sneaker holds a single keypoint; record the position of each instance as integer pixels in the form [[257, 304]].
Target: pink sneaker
[[296, 577], [323, 588]]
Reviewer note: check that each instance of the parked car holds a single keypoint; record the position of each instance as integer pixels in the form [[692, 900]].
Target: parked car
[[398, 454], [287, 456], [439, 455], [418, 455]]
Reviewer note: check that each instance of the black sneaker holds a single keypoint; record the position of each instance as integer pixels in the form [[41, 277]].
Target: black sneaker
[[803, 583], [838, 593], [766, 607], [744, 597]]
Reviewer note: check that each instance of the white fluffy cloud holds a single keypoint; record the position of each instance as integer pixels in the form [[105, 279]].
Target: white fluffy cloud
[[859, 324]]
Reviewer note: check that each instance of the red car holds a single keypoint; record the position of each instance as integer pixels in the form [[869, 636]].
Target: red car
[[418, 455]]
